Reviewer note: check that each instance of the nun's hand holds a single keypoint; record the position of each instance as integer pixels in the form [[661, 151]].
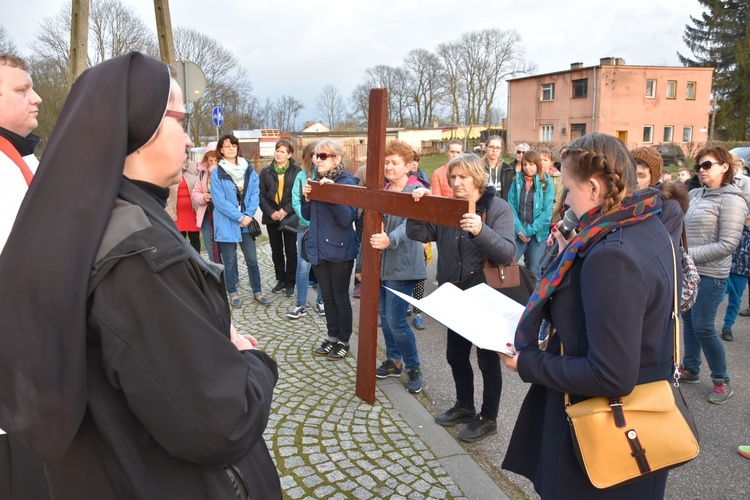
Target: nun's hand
[[510, 360], [242, 342]]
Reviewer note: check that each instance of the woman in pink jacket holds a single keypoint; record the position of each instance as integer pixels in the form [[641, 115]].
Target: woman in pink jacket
[[202, 197]]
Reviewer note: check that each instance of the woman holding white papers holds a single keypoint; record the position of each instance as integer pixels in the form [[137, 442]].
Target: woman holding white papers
[[462, 252], [609, 296]]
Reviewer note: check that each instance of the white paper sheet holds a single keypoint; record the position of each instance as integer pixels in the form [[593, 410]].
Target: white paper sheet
[[481, 314]]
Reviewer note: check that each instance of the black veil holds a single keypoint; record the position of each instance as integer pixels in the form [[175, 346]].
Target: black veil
[[112, 110]]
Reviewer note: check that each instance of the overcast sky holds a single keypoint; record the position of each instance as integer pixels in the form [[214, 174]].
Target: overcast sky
[[296, 48]]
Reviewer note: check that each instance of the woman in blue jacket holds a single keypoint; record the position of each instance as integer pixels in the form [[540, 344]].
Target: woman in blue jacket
[[234, 192], [531, 197], [331, 247]]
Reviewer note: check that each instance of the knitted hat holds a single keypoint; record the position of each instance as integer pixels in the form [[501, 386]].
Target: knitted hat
[[651, 157]]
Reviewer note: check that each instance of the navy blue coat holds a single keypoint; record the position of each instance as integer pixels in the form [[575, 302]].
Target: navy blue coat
[[613, 313], [331, 235]]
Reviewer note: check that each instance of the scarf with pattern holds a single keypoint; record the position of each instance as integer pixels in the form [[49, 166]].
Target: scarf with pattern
[[236, 172], [338, 169], [594, 226]]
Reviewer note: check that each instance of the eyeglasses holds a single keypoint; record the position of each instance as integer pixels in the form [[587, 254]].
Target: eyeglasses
[[228, 145], [520, 152], [494, 148], [179, 115], [325, 156], [705, 166]]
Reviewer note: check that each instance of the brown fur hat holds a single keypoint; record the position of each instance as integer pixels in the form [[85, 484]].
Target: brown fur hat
[[651, 157]]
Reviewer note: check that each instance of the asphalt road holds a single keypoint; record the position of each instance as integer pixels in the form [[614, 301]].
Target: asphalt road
[[718, 472]]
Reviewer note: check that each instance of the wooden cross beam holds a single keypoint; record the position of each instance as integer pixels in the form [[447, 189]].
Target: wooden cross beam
[[376, 201]]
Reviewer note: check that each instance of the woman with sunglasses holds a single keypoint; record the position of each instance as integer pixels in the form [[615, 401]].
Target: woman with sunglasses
[[154, 393], [234, 193], [714, 223], [331, 247]]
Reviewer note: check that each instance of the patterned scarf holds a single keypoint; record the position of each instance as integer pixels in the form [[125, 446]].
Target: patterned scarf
[[338, 169], [594, 225], [236, 172]]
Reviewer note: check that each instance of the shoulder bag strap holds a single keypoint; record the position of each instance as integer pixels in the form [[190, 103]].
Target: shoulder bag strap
[[684, 238], [676, 330], [12, 153], [676, 316]]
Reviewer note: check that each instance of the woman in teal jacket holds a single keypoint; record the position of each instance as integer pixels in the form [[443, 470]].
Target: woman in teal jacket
[[531, 197], [303, 267]]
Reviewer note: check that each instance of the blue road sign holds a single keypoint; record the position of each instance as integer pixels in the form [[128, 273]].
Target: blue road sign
[[218, 115]]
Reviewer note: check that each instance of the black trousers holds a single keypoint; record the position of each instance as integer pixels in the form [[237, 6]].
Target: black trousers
[[283, 243], [458, 352], [333, 280], [195, 239]]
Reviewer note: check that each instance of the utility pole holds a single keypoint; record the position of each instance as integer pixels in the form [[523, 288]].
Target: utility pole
[[79, 39], [164, 31]]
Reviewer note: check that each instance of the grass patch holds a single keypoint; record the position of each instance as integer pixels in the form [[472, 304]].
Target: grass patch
[[429, 164]]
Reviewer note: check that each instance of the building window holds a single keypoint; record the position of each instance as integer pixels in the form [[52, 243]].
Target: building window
[[577, 130], [580, 88], [690, 91], [671, 89], [548, 133], [650, 88], [687, 134], [668, 133], [648, 134], [548, 92]]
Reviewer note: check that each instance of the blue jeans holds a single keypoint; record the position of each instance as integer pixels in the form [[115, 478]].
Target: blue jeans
[[400, 344], [700, 332], [231, 271], [206, 231], [303, 276], [533, 252], [735, 288]]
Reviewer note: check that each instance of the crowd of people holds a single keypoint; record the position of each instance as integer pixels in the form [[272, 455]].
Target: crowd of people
[[138, 307]]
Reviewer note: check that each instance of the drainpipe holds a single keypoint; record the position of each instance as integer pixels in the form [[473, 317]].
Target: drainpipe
[[593, 105]]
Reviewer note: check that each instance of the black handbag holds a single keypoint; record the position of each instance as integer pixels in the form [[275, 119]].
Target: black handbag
[[254, 228], [290, 223]]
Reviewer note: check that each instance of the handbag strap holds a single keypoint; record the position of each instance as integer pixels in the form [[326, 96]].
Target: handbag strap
[[676, 316], [486, 262], [684, 238], [675, 334]]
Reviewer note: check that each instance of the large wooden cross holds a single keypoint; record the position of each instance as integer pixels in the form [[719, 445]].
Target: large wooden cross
[[376, 201]]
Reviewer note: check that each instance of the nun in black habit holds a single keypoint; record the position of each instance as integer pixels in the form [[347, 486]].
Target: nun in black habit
[[119, 367]]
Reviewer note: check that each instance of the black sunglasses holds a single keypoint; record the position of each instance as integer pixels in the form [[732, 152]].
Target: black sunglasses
[[705, 166], [179, 115], [325, 156]]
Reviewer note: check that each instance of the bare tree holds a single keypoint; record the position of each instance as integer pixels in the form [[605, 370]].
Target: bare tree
[[360, 101], [331, 106], [285, 112], [6, 42], [115, 29], [396, 81], [227, 82], [425, 89], [452, 79]]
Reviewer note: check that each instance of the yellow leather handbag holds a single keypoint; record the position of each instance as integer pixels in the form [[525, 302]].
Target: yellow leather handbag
[[650, 430]]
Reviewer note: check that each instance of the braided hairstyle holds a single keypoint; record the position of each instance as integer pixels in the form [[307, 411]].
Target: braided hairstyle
[[606, 158]]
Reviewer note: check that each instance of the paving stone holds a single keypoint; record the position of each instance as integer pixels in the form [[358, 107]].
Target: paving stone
[[326, 442]]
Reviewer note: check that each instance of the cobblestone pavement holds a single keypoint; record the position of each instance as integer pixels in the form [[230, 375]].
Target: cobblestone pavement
[[326, 442]]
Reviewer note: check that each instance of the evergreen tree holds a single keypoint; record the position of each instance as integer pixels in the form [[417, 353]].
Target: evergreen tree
[[720, 38]]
